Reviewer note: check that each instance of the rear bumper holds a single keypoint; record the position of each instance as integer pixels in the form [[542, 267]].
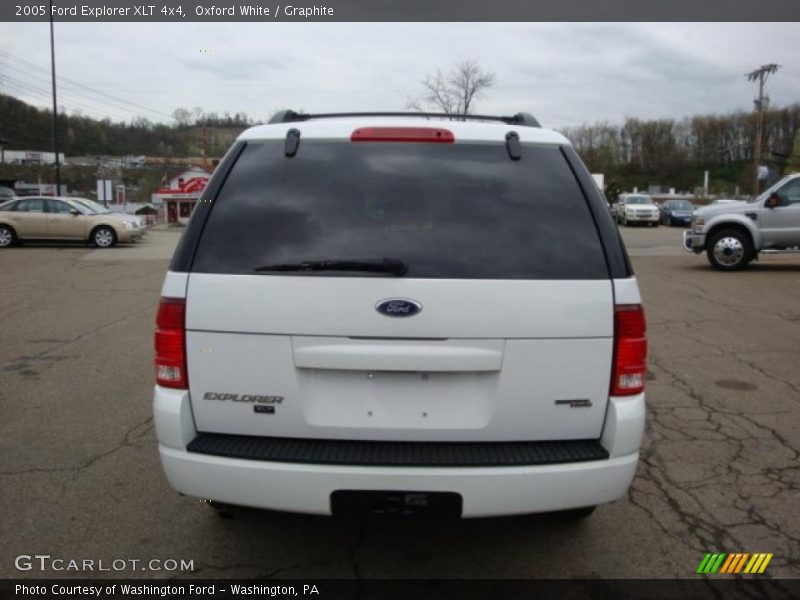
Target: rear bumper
[[485, 491]]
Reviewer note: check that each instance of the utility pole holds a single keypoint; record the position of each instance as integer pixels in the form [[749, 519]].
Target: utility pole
[[760, 75], [55, 105]]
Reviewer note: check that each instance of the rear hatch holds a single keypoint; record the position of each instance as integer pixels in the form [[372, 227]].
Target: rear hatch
[[396, 290]]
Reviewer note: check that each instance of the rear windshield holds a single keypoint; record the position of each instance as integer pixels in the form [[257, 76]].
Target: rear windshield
[[445, 210]]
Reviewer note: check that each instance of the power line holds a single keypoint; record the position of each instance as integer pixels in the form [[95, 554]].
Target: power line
[[81, 98], [44, 96], [70, 82]]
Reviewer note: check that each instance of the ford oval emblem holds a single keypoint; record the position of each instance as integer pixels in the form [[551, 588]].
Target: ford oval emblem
[[398, 307]]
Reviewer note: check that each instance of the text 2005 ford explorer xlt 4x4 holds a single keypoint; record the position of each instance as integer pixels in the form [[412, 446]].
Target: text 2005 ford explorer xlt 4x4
[[400, 313]]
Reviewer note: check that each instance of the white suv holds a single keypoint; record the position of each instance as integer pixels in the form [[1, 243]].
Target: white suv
[[401, 314], [637, 208]]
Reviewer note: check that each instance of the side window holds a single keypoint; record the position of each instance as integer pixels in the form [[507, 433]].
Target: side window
[[58, 207], [34, 205], [790, 193]]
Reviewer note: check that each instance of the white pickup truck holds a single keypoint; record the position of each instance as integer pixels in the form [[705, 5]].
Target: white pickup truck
[[732, 234]]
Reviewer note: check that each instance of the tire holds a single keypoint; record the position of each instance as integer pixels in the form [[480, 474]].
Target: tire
[[104, 237], [7, 236], [730, 250], [575, 514]]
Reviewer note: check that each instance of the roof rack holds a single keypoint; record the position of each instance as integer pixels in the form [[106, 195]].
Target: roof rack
[[522, 118]]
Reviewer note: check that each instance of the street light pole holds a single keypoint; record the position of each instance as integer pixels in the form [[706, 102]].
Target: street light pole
[[55, 104], [759, 75]]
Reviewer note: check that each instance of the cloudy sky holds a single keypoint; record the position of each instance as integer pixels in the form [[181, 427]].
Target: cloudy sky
[[565, 74]]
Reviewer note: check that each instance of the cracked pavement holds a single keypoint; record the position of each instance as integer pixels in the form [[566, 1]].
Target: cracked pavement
[[80, 476]]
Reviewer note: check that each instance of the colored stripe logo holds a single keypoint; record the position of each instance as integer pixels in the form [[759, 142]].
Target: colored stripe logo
[[738, 562]]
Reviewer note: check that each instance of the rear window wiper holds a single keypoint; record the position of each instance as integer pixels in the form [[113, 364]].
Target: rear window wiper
[[395, 266]]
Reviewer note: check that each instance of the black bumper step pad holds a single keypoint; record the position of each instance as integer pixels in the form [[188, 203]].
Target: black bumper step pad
[[397, 454]]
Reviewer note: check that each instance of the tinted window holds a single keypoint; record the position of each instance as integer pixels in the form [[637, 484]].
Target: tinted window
[[447, 210], [682, 206], [57, 206], [32, 205], [790, 193]]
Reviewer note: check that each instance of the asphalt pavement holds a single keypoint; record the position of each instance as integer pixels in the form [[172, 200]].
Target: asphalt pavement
[[80, 476]]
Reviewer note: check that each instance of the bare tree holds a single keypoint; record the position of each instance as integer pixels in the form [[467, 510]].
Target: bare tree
[[454, 92], [182, 117]]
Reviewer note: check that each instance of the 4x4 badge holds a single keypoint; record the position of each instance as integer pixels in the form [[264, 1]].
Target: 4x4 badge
[[398, 307]]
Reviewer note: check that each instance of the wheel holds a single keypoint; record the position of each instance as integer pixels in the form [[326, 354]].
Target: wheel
[[7, 236], [656, 223], [104, 237], [730, 250], [575, 514]]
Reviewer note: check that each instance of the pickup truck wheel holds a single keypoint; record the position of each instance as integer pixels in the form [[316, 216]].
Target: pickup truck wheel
[[575, 514], [730, 250]]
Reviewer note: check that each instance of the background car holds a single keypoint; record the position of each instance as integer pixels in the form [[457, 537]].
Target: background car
[[677, 212], [99, 209], [636, 208], [37, 218]]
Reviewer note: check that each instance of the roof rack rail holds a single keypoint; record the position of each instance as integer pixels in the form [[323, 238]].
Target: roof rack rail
[[521, 118]]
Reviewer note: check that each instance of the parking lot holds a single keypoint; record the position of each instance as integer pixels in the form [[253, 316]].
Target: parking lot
[[80, 476]]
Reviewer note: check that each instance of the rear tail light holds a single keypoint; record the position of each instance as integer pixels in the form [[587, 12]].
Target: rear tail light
[[630, 350], [171, 343], [430, 135]]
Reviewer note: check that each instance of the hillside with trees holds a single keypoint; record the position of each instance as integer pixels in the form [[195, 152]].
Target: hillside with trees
[[639, 153], [193, 133]]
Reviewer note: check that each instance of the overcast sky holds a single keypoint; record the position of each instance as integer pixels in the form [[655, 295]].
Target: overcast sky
[[565, 74]]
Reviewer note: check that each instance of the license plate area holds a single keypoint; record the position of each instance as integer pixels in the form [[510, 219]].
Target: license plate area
[[390, 504]]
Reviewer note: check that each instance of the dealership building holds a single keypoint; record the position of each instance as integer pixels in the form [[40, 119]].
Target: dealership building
[[180, 193]]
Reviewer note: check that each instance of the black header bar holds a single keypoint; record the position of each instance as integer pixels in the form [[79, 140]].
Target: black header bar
[[145, 11]]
